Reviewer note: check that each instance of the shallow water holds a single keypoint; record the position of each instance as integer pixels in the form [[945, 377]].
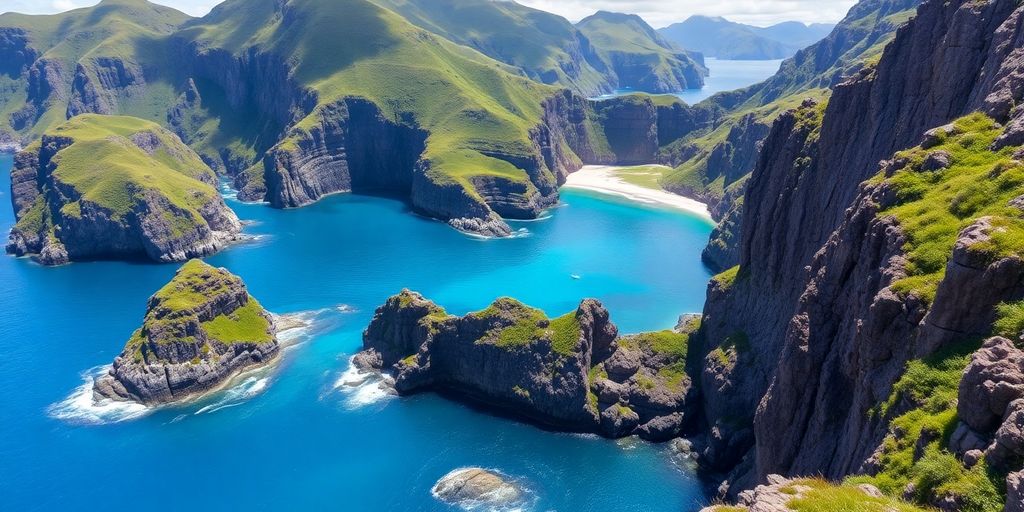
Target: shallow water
[[293, 438], [725, 75]]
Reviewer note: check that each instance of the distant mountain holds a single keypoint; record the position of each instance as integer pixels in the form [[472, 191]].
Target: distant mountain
[[724, 39], [640, 58]]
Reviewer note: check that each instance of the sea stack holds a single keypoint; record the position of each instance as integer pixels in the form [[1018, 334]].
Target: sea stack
[[200, 330], [571, 373]]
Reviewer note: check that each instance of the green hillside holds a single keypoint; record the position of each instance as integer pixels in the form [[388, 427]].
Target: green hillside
[[639, 56], [546, 47], [129, 30]]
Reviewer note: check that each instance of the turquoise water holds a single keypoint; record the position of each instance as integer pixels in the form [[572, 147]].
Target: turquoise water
[[289, 439], [725, 75]]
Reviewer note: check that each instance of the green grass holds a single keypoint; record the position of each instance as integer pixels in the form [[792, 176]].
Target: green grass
[[195, 284], [931, 385], [102, 169], [628, 44], [122, 29], [826, 497], [469, 104], [670, 344], [245, 325], [191, 286], [531, 325], [727, 278], [647, 176], [107, 169], [535, 41], [933, 207]]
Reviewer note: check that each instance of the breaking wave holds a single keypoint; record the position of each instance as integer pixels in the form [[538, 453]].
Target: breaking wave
[[82, 408], [362, 388]]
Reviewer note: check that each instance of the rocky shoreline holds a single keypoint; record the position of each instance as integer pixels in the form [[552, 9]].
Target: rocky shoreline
[[571, 373]]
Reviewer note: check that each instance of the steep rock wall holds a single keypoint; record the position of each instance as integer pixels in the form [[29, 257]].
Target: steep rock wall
[[802, 290]]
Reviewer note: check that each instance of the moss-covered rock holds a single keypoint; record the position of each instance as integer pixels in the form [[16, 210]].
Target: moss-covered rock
[[111, 187], [570, 372], [200, 330]]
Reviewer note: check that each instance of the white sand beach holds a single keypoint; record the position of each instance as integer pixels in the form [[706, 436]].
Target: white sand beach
[[603, 179]]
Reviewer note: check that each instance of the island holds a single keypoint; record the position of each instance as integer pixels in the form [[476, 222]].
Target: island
[[200, 330], [572, 373], [115, 187]]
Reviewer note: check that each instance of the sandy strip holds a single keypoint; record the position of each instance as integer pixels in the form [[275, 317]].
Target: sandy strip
[[602, 178]]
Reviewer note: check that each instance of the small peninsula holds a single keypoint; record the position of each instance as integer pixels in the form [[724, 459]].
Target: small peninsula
[[114, 187], [200, 330], [572, 373]]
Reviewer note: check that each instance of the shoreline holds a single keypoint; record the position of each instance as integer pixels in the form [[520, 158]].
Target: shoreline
[[602, 179]]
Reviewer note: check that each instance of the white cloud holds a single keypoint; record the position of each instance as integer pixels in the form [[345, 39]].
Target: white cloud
[[657, 12]]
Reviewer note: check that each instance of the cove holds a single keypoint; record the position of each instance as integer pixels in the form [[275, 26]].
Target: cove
[[291, 438]]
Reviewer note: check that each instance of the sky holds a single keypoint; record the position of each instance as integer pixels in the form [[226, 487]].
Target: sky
[[658, 13]]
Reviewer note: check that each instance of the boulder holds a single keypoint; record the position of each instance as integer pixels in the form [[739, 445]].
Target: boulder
[[475, 487]]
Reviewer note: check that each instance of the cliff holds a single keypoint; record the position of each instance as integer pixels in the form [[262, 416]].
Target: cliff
[[200, 330], [713, 164], [571, 373], [848, 296], [107, 187]]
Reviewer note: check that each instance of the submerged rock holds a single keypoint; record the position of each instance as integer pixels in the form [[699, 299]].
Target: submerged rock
[[572, 372], [200, 330], [476, 487]]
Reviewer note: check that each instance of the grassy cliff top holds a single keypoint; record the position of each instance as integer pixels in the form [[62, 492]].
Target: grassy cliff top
[[107, 164], [530, 325], [468, 103], [195, 286], [933, 206]]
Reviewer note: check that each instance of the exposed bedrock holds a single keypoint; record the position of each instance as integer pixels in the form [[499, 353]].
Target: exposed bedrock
[[352, 147], [825, 337], [571, 373]]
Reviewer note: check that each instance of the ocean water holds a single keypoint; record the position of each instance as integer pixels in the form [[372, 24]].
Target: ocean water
[[725, 75], [294, 437]]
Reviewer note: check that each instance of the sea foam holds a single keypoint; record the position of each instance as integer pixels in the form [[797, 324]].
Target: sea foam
[[82, 408], [362, 388]]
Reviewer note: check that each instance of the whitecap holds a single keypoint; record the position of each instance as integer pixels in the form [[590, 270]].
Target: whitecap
[[248, 388], [83, 408], [362, 388]]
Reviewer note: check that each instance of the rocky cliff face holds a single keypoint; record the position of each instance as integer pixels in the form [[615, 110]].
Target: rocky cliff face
[[84, 193], [571, 373], [200, 330], [826, 335]]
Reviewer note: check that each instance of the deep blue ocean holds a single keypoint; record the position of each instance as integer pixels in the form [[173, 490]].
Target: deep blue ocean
[[724, 75], [291, 438]]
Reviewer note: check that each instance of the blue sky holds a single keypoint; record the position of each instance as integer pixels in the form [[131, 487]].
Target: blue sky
[[657, 12]]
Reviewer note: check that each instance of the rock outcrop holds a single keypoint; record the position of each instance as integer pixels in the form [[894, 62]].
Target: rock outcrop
[[571, 373], [200, 330], [826, 333], [472, 488], [105, 187], [780, 494]]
